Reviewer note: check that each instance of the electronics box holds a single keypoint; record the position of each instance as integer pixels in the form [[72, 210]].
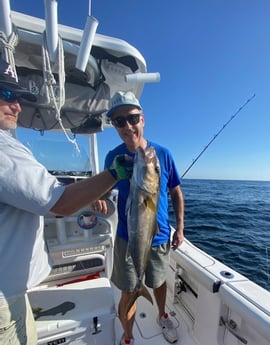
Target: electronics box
[[80, 313]]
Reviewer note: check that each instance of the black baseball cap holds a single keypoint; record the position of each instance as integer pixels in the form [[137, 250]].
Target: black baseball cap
[[9, 81]]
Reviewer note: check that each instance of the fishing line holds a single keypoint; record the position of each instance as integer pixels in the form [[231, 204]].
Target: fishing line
[[216, 135]]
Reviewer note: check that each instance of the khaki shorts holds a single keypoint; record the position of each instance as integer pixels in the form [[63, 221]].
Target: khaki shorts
[[17, 324], [124, 275]]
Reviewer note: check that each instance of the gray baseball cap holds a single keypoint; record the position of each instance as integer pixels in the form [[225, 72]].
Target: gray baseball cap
[[121, 99]]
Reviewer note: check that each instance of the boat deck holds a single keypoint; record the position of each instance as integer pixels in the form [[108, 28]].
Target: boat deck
[[146, 329]]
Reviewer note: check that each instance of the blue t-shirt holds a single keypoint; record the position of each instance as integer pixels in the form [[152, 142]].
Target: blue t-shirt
[[169, 179]]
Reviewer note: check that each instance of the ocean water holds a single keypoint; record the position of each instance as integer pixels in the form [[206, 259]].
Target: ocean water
[[230, 220]]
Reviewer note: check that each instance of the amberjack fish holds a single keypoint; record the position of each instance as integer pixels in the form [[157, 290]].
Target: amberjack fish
[[141, 208]]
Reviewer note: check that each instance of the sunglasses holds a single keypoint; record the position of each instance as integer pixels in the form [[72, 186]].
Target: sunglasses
[[132, 119], [9, 96]]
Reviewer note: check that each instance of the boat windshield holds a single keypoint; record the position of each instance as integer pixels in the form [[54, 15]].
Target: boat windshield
[[56, 153]]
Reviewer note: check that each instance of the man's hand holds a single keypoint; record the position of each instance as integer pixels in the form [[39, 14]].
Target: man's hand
[[122, 167], [100, 206], [177, 240]]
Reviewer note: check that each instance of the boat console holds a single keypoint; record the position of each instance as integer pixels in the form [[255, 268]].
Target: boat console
[[76, 299]]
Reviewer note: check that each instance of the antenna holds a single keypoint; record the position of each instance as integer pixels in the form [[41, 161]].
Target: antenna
[[216, 135]]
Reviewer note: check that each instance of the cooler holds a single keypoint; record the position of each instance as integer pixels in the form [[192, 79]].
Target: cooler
[[80, 313]]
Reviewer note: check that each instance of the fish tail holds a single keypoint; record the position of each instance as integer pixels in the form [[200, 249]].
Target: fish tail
[[142, 291], [146, 294]]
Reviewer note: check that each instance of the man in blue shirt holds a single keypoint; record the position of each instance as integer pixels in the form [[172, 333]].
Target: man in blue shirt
[[127, 118]]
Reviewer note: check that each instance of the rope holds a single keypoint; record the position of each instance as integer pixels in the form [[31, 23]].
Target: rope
[[49, 83], [7, 46]]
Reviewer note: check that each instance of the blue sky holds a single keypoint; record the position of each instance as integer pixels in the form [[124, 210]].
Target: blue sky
[[212, 56]]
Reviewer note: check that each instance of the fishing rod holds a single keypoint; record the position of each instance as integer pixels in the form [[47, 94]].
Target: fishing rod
[[216, 135]]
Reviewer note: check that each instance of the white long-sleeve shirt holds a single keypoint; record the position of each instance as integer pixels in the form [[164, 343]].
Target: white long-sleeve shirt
[[27, 193]]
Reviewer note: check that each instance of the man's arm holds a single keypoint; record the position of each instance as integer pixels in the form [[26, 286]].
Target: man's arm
[[178, 206], [80, 194]]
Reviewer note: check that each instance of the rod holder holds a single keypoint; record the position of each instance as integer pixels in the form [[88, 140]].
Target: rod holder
[[86, 43], [143, 78], [5, 21], [51, 20]]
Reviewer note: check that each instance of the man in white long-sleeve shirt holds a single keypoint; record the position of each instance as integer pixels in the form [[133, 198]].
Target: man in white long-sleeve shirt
[[27, 193]]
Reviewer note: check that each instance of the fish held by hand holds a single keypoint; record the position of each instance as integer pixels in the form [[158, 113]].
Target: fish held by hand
[[142, 206]]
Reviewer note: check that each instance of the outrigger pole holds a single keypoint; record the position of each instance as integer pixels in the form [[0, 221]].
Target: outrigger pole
[[216, 135]]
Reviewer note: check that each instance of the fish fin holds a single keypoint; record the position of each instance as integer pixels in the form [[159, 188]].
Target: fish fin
[[131, 301], [146, 294], [142, 291], [150, 204]]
